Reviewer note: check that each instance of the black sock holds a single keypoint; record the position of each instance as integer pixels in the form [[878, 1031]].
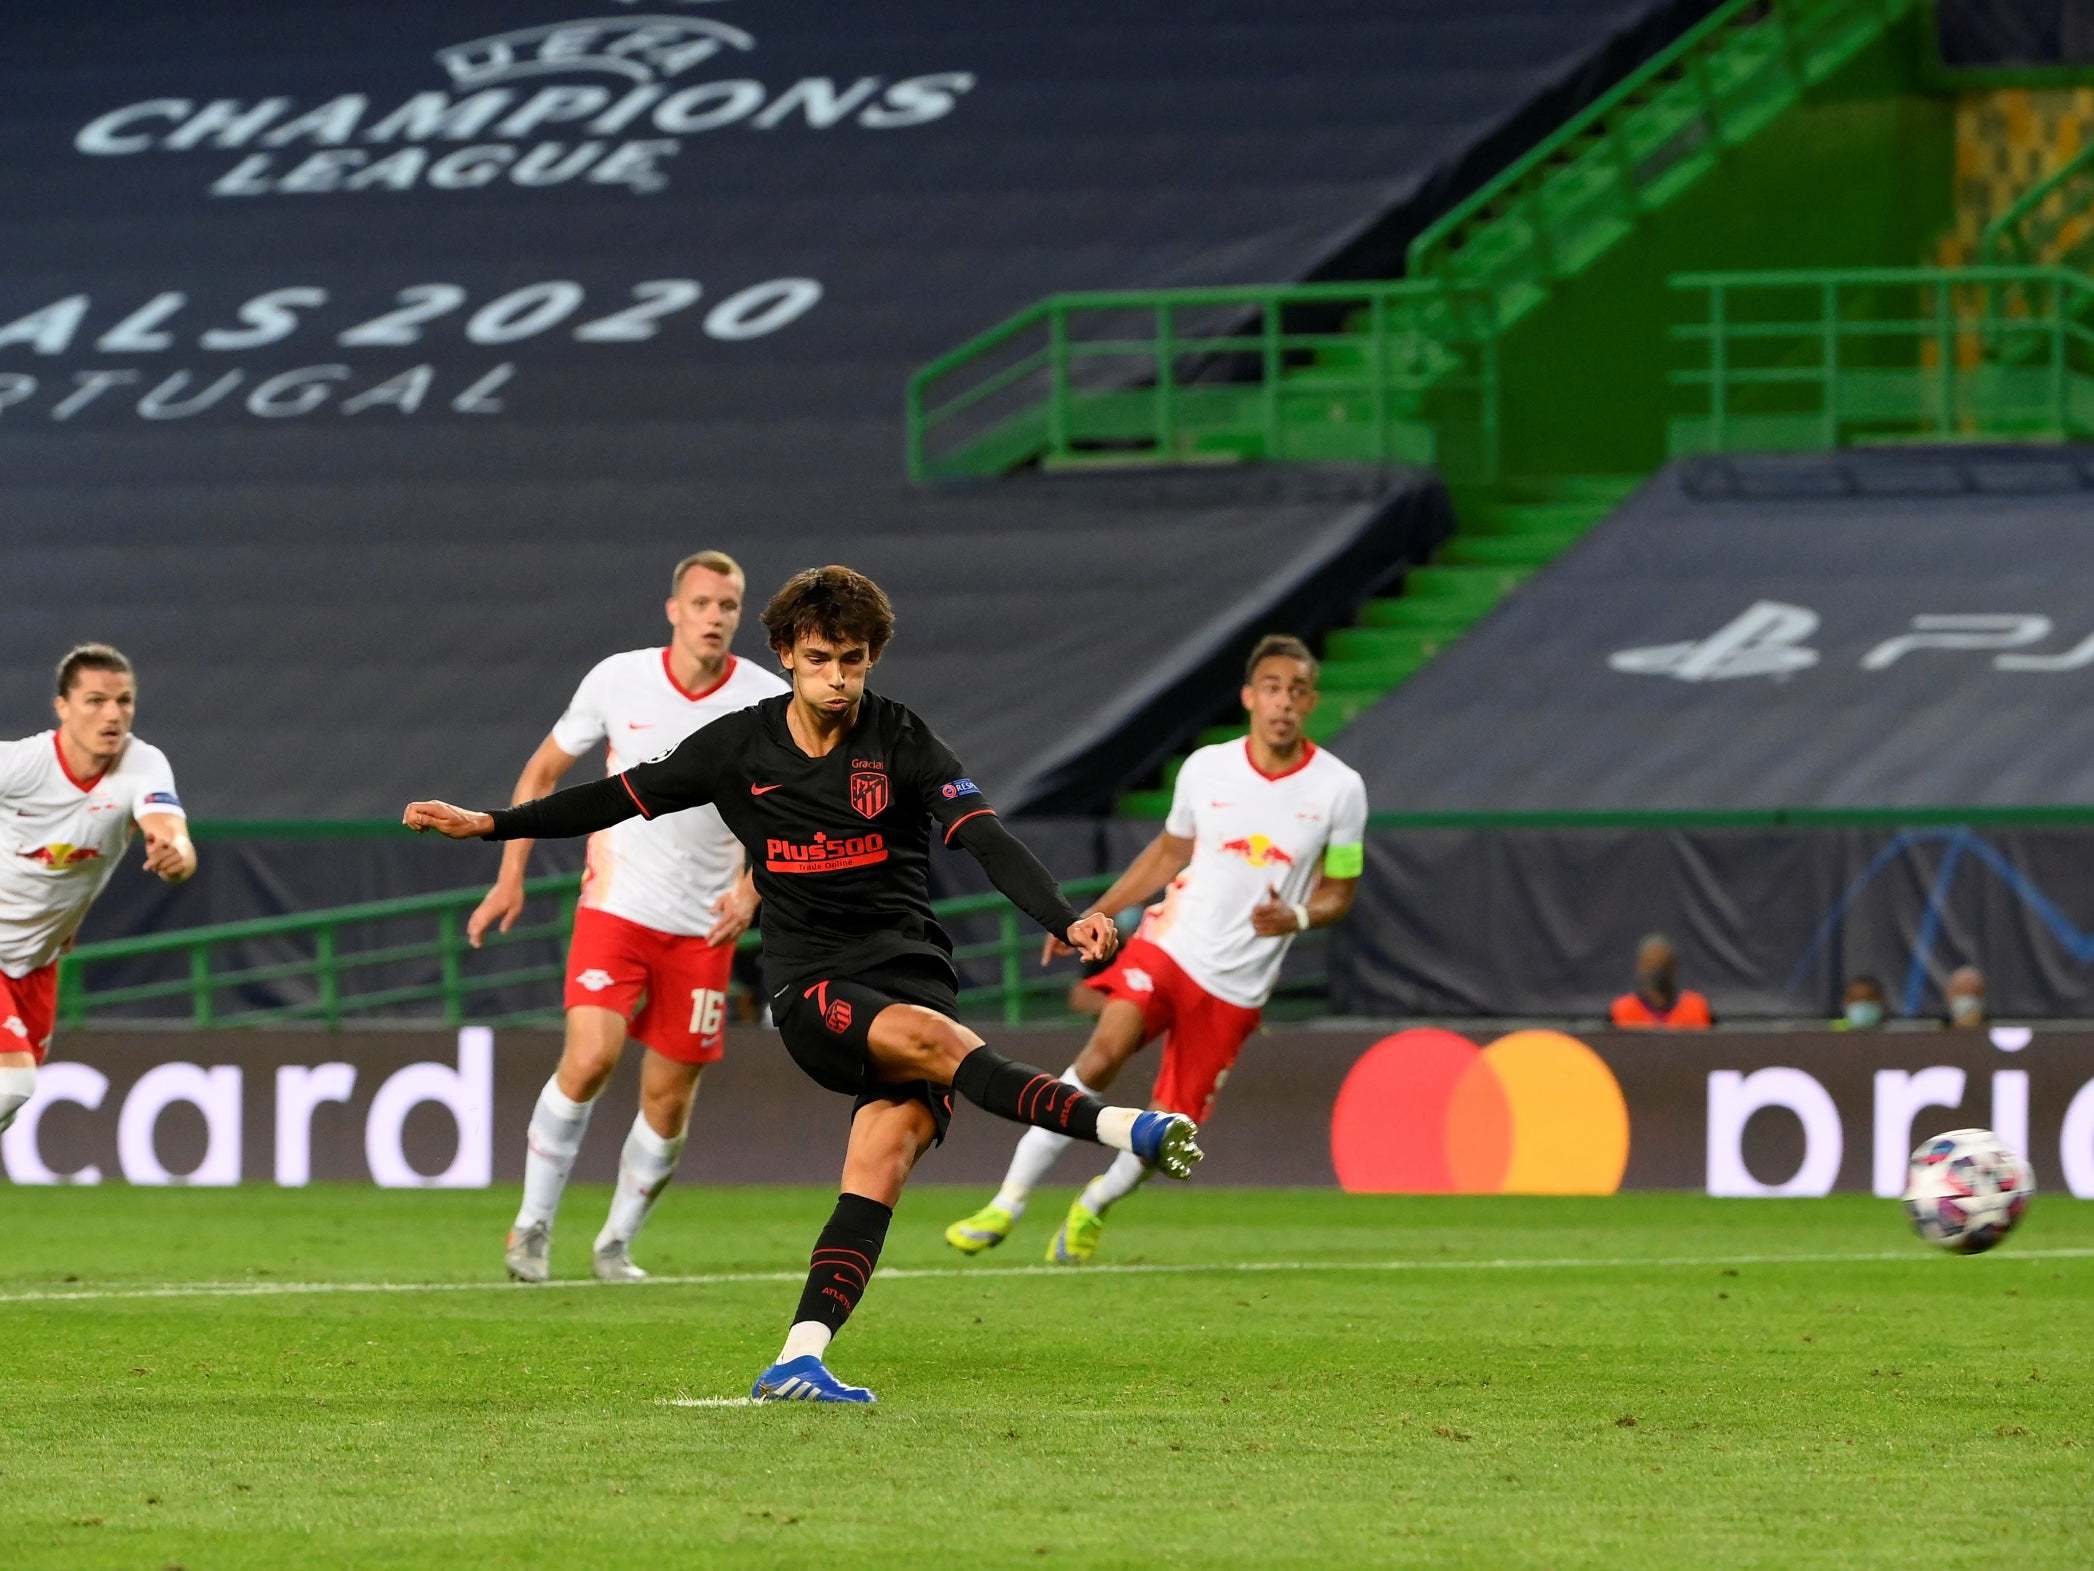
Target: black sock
[[1026, 1095], [843, 1261]]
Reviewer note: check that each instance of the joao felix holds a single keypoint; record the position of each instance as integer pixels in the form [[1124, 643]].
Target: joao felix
[[834, 792]]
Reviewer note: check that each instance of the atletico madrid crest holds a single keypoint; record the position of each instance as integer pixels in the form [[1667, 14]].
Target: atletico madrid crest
[[869, 794]]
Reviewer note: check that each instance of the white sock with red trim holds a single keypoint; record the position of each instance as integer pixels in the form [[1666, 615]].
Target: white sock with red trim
[[17, 1086], [644, 1170], [1038, 1151], [557, 1126], [1117, 1182]]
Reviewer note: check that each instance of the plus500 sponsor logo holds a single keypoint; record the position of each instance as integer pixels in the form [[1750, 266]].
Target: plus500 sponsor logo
[[824, 853]]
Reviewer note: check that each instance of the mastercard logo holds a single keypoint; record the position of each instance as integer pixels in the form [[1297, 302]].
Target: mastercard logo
[[1428, 1112]]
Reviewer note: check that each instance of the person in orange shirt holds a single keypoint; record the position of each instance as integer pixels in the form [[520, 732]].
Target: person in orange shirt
[[1659, 1000]]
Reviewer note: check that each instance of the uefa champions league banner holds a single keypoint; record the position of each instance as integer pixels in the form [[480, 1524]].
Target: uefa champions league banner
[[1416, 1111]]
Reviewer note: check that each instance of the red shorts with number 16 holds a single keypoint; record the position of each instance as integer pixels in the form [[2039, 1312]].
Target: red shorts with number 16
[[1203, 1034], [615, 964]]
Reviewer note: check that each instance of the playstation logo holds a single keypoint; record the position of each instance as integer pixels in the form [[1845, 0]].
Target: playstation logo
[[1766, 639]]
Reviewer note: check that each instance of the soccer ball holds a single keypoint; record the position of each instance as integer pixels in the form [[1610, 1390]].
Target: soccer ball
[[1966, 1190]]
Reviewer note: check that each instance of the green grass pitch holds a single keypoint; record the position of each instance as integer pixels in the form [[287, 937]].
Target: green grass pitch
[[211, 1380]]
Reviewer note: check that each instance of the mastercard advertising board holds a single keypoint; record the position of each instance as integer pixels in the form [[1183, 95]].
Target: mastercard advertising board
[[1418, 1111], [1540, 1112], [1428, 1112]]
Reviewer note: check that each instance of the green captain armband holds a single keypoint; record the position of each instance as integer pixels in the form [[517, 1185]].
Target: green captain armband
[[1344, 861]]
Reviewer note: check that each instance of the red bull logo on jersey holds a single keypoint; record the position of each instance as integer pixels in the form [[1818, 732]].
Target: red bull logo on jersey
[[62, 856], [1259, 852], [824, 853]]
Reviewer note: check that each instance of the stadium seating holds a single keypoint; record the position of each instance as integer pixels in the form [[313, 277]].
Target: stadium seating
[[419, 432]]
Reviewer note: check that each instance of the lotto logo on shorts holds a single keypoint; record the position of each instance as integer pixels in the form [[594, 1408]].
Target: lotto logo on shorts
[[1138, 980], [838, 1016], [594, 980], [14, 1023]]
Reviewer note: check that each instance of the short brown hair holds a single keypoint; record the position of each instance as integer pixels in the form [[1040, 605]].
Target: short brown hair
[[1281, 646], [835, 603], [90, 657], [713, 562]]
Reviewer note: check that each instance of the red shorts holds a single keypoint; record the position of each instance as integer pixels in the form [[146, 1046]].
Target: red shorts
[[613, 963], [28, 1011], [1203, 1033]]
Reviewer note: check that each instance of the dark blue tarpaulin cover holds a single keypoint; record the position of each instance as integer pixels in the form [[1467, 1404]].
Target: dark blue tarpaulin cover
[[1886, 630], [363, 368]]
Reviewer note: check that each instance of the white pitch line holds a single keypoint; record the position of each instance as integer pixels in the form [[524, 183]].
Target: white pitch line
[[994, 1273], [705, 1401]]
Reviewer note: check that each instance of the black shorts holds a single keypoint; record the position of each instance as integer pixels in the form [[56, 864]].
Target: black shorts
[[825, 1022]]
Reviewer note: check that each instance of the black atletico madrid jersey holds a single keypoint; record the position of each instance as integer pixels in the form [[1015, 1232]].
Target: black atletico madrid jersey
[[839, 845]]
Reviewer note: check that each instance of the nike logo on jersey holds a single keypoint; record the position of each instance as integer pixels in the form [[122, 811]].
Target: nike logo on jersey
[[757, 790], [639, 725], [1217, 804]]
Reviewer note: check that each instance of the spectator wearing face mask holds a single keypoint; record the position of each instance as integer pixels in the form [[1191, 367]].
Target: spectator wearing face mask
[[1659, 1000], [1966, 996], [1862, 1007]]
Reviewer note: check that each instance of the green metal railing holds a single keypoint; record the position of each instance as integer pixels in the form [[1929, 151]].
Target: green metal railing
[[1393, 371], [1658, 130], [1182, 374], [353, 960], [1812, 360]]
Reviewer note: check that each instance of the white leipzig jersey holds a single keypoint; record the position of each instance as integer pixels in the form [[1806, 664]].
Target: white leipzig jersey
[[1251, 833], [61, 837], [664, 873]]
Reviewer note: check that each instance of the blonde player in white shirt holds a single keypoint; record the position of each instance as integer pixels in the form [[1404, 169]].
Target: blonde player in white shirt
[[1265, 839], [69, 799], [662, 904]]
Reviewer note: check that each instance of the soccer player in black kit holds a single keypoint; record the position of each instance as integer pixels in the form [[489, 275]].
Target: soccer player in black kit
[[834, 792]]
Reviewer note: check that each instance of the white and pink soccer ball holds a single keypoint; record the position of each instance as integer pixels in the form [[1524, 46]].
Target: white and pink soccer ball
[[1966, 1190]]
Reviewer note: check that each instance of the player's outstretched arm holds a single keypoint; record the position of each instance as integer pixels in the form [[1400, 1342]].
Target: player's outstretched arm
[[680, 778], [1147, 876], [579, 810], [453, 823], [1017, 873]]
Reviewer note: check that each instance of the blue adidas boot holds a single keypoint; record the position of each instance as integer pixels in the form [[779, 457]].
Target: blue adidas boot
[[805, 1379]]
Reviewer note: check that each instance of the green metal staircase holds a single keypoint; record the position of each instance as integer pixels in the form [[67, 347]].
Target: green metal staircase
[[1509, 531], [1406, 370], [1402, 371], [1585, 189]]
